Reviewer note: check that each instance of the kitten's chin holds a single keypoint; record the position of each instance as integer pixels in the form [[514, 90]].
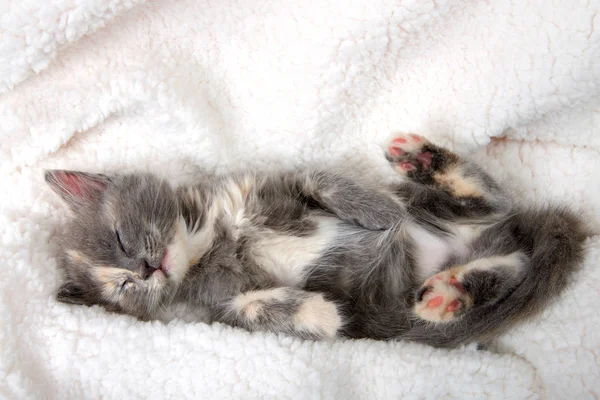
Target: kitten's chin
[[161, 274]]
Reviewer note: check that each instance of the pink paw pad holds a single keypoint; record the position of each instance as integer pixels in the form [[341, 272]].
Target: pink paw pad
[[435, 302], [425, 160], [443, 299], [395, 151], [406, 165], [459, 286], [395, 148], [409, 145], [453, 306]]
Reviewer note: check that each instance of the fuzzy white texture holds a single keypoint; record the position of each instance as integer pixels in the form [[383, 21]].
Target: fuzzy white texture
[[176, 86]]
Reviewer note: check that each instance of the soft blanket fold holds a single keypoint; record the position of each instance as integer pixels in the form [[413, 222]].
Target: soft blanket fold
[[176, 86]]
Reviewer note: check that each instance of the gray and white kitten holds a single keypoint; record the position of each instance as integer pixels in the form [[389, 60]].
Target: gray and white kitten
[[443, 258]]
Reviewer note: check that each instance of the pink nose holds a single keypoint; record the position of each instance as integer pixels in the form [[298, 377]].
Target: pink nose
[[164, 263], [147, 268]]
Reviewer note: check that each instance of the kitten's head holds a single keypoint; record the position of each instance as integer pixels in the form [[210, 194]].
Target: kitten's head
[[125, 246]]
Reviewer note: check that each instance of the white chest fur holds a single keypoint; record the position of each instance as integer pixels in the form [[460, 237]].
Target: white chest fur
[[229, 204], [432, 251], [287, 257]]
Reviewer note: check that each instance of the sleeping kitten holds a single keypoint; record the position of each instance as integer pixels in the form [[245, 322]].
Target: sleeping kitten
[[443, 257]]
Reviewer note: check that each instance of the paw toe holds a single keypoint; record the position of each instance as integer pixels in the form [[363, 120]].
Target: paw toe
[[457, 284], [416, 138], [425, 159], [406, 166], [454, 305], [395, 151]]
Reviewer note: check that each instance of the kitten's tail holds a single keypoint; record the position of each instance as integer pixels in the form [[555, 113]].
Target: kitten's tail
[[554, 239]]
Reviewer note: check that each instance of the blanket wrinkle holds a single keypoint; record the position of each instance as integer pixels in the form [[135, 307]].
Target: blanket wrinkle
[[42, 32], [179, 87]]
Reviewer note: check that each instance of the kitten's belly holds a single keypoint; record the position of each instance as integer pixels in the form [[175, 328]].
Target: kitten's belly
[[286, 257], [433, 251]]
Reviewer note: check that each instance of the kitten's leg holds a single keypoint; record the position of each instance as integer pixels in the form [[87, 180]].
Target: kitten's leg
[[454, 291], [355, 202], [461, 188], [294, 312]]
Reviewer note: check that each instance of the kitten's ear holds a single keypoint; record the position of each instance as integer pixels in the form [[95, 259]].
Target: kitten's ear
[[77, 188], [71, 293]]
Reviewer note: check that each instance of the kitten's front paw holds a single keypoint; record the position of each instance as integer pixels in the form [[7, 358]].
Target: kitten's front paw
[[408, 153], [317, 318], [302, 314], [442, 297], [415, 157]]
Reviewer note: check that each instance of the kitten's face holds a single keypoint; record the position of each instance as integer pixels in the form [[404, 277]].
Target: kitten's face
[[125, 247]]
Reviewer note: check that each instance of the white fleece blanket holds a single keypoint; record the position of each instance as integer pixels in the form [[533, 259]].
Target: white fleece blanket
[[173, 86]]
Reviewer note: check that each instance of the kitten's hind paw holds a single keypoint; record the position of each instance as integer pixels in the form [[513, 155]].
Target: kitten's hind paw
[[484, 281], [442, 298]]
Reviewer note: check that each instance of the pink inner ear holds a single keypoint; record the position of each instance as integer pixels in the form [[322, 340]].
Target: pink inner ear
[[79, 185], [73, 184]]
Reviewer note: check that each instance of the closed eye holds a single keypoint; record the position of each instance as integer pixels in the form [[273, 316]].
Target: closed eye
[[120, 242], [126, 283]]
